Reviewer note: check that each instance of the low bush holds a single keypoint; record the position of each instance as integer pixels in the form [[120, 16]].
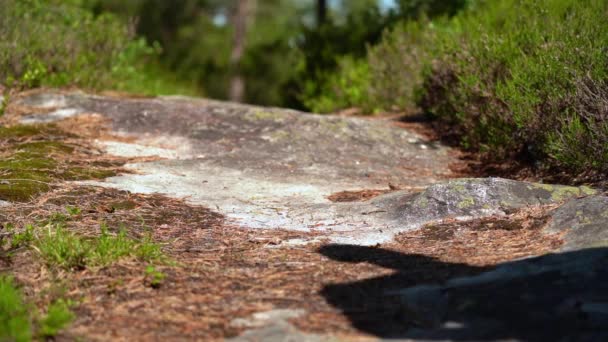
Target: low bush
[[514, 79], [55, 44], [63, 43], [383, 81], [526, 79]]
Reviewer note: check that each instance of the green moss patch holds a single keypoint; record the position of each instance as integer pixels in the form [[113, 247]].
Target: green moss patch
[[123, 205], [34, 158], [29, 131]]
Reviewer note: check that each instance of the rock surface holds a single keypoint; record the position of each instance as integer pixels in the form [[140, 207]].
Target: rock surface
[[583, 221], [273, 168], [558, 297], [267, 168]]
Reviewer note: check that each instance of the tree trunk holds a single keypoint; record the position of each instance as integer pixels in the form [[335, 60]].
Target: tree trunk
[[321, 12], [243, 12]]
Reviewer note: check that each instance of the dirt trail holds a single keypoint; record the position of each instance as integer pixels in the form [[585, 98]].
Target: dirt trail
[[288, 226]]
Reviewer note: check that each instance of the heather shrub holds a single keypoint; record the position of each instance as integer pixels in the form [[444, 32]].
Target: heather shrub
[[384, 80], [55, 44], [525, 79], [63, 43]]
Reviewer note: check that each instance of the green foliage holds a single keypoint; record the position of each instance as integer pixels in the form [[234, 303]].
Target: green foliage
[[55, 44], [20, 321], [154, 278], [57, 317], [61, 248], [519, 79], [343, 89], [24, 238], [396, 63], [526, 78], [328, 51], [63, 43], [15, 323], [374, 67]]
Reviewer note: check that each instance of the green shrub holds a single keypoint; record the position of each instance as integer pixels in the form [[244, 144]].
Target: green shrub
[[55, 44], [346, 88], [396, 64], [62, 43], [58, 316], [525, 78], [385, 80]]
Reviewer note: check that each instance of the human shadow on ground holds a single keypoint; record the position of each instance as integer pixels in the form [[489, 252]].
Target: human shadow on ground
[[556, 297]]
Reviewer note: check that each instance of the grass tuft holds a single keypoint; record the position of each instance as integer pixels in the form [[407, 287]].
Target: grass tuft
[[64, 249], [15, 322], [21, 322]]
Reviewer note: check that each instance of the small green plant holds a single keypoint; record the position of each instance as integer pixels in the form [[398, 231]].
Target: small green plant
[[73, 211], [23, 238], [62, 248], [58, 316], [4, 100], [153, 277], [15, 321], [20, 321]]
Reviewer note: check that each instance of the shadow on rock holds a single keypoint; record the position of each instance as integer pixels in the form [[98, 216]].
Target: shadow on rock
[[556, 297]]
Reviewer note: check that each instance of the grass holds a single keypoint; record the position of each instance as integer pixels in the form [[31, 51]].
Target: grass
[[154, 278], [61, 248], [20, 321]]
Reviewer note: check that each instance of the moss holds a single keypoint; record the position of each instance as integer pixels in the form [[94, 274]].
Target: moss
[[45, 147], [82, 173], [264, 115], [458, 185], [25, 131], [29, 169], [22, 190], [123, 205], [560, 193], [587, 190], [333, 125], [18, 131], [279, 135], [422, 202], [466, 202]]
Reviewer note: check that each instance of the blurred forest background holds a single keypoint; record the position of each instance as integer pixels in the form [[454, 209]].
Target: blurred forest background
[[269, 52], [514, 80]]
